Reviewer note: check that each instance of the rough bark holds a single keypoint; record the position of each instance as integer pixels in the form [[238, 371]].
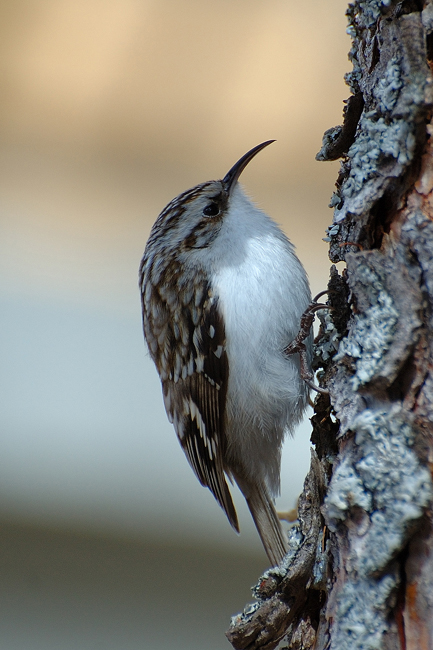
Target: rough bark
[[359, 573]]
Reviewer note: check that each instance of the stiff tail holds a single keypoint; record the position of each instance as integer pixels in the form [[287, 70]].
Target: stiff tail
[[267, 523]]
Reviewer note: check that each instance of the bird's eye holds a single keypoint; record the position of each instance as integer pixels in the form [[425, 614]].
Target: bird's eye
[[211, 210]]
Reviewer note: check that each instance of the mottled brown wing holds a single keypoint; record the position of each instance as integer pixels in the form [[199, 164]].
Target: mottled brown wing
[[196, 404]]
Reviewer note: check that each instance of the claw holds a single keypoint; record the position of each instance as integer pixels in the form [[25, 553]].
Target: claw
[[298, 346]]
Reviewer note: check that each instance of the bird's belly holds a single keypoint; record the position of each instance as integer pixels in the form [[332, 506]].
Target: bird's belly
[[266, 396]]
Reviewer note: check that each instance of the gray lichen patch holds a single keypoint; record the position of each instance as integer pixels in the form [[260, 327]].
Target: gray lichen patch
[[370, 337], [386, 317], [388, 87], [378, 144], [371, 331], [378, 493], [383, 478], [361, 616], [384, 136], [330, 338], [346, 492]]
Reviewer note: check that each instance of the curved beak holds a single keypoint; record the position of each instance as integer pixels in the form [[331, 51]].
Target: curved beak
[[230, 179]]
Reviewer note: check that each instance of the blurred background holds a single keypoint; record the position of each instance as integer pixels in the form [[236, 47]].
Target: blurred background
[[109, 109]]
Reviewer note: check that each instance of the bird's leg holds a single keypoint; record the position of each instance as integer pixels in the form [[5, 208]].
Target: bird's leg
[[298, 345]]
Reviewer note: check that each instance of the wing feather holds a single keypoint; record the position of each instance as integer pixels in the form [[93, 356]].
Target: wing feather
[[196, 406]]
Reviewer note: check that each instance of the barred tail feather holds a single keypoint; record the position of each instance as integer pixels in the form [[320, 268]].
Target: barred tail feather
[[267, 523]]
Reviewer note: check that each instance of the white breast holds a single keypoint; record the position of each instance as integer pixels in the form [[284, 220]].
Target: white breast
[[262, 291]]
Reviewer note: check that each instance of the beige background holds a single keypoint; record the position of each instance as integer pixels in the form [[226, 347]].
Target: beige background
[[109, 109]]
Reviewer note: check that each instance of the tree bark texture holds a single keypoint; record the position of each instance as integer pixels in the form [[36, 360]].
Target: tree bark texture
[[359, 573]]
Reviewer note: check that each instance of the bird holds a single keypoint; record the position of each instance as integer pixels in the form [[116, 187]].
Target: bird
[[222, 295]]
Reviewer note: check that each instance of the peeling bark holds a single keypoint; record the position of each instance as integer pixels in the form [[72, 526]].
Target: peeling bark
[[359, 573]]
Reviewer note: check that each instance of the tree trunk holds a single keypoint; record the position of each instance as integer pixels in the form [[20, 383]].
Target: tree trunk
[[359, 573]]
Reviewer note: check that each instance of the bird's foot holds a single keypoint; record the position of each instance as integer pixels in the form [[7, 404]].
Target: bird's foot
[[298, 345]]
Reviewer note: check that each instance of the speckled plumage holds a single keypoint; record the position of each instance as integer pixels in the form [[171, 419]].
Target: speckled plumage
[[222, 296]]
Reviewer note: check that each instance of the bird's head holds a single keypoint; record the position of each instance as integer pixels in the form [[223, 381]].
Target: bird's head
[[193, 219]]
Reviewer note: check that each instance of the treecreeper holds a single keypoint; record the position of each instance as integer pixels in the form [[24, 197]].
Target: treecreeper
[[223, 293]]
